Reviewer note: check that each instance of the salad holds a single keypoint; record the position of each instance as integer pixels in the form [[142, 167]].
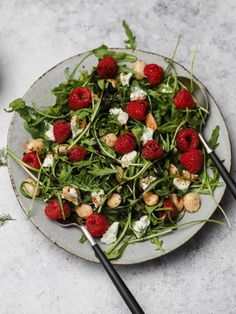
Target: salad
[[119, 148]]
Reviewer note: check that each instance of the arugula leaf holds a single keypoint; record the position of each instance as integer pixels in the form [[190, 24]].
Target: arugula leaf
[[102, 51], [214, 137], [117, 253], [98, 172], [130, 42], [158, 243]]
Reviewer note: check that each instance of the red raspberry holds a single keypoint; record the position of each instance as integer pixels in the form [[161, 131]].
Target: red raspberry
[[154, 73], [137, 109], [107, 67], [80, 97], [61, 131], [76, 154], [152, 150], [125, 144], [183, 99], [53, 209], [170, 214], [187, 139], [192, 160], [97, 225], [32, 160]]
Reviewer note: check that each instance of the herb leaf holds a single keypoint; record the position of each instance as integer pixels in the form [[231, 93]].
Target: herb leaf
[[4, 218], [97, 172], [214, 137], [3, 157], [130, 42]]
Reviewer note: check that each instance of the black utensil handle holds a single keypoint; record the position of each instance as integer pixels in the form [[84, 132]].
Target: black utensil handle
[[231, 184], [118, 282]]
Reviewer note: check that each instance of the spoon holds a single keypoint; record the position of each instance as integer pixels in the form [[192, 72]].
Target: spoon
[[73, 221], [200, 95]]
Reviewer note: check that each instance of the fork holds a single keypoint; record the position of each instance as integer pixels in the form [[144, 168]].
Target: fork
[[124, 291]]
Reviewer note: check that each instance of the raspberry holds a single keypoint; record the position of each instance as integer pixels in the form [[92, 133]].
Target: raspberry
[[152, 150], [183, 99], [97, 225], [154, 73], [54, 211], [187, 139], [170, 214], [192, 160], [76, 154], [137, 109], [32, 160], [61, 131], [80, 97], [125, 144], [107, 67]]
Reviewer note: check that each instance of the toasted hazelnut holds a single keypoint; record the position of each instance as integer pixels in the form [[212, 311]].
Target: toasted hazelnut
[[178, 201], [173, 171], [114, 201], [190, 176], [192, 202], [34, 145], [120, 174], [61, 149], [181, 184], [110, 139], [138, 67], [150, 121], [30, 187], [113, 82], [150, 198], [84, 210]]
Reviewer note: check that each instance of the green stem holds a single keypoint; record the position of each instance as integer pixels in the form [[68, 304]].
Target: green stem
[[117, 242]]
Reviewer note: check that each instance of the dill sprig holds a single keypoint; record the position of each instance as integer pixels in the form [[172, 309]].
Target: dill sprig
[[4, 218], [3, 157]]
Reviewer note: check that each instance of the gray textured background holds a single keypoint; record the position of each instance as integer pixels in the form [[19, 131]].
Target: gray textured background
[[35, 275]]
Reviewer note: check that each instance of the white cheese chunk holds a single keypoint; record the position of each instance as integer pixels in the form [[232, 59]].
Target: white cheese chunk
[[110, 235], [140, 226], [71, 194], [121, 116], [128, 159], [48, 161], [181, 184], [145, 182], [147, 135], [137, 93], [97, 198], [125, 78], [49, 133]]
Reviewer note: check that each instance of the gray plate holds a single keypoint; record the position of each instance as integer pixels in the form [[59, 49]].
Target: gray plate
[[68, 239]]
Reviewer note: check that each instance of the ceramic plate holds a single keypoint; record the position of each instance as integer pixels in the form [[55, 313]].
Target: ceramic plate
[[68, 239]]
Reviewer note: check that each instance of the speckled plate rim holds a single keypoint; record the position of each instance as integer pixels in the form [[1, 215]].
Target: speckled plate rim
[[140, 260]]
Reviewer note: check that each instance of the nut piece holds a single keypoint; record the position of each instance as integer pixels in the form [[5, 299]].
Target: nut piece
[[173, 171], [114, 201], [71, 194], [138, 67], [84, 210], [190, 176], [61, 149], [120, 174], [178, 201], [192, 202], [150, 198], [35, 145], [112, 81], [110, 139], [29, 186], [150, 121]]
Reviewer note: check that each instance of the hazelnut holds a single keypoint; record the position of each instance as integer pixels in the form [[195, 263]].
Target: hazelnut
[[192, 202], [61, 149], [34, 145], [114, 201], [71, 194], [150, 121], [173, 171], [110, 139], [84, 210], [30, 187], [150, 198], [138, 67], [178, 201]]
